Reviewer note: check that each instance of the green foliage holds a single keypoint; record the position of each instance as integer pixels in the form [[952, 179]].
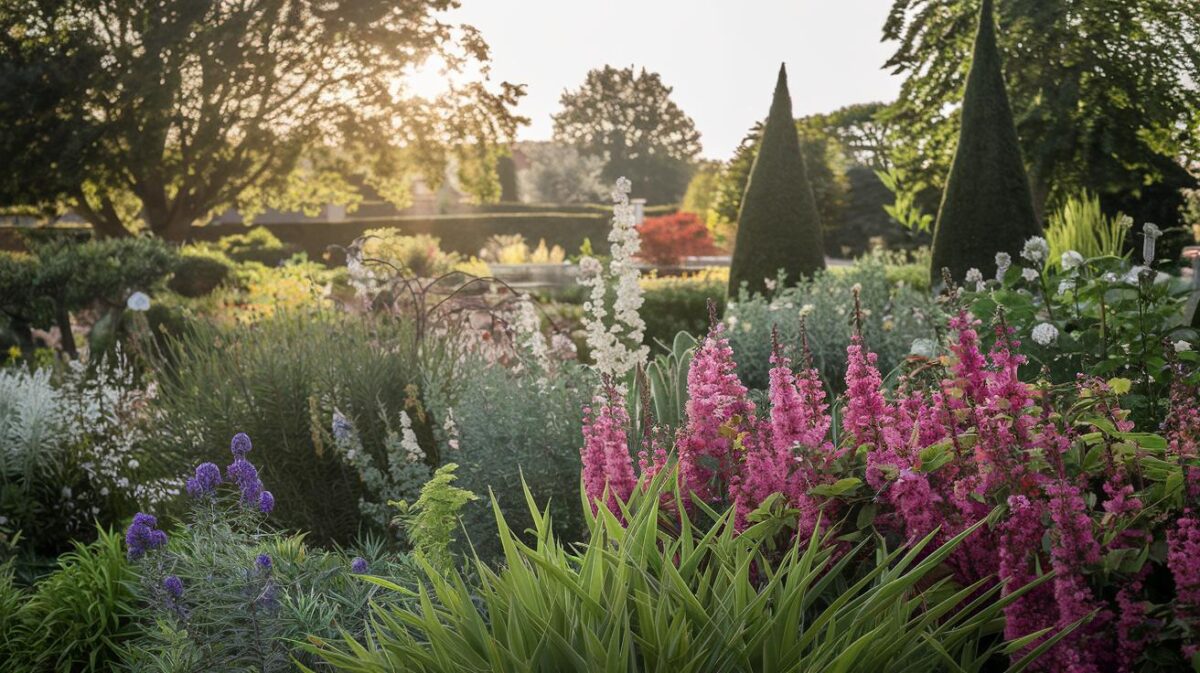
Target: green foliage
[[200, 272], [674, 304], [420, 256], [779, 228], [1081, 225], [280, 381], [1113, 121], [665, 386], [515, 424], [70, 450], [904, 209], [637, 597], [75, 619], [895, 314], [430, 522], [256, 245], [399, 470], [987, 207], [506, 174], [700, 195], [112, 125], [559, 174], [63, 276], [1112, 320], [825, 159], [627, 118], [236, 612]]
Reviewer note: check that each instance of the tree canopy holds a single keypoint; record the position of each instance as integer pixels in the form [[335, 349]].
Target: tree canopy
[[627, 118], [1104, 93], [168, 111]]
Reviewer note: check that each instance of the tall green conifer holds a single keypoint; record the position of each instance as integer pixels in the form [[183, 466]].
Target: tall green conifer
[[987, 206], [778, 225]]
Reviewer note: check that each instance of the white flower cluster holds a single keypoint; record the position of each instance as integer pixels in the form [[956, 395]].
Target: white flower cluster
[[1071, 259], [394, 471], [1045, 333], [1036, 250], [617, 347], [528, 328], [408, 439], [450, 427], [975, 277], [94, 419], [1003, 261]]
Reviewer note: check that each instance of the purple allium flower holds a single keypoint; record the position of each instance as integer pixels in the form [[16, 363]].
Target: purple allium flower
[[243, 473], [240, 445], [143, 536], [266, 502], [173, 585], [358, 565], [208, 476], [263, 562]]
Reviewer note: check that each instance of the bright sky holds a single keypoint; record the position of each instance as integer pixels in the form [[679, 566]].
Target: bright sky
[[721, 56]]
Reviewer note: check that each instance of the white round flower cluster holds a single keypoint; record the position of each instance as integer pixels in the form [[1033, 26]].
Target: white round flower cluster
[[975, 277], [1036, 250], [1003, 262], [1071, 259], [1045, 334]]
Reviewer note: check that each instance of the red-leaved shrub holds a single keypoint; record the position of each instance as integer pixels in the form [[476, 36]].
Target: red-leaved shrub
[[668, 239]]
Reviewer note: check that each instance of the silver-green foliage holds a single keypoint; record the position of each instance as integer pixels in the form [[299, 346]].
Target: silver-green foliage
[[236, 613], [894, 314], [640, 596], [34, 424], [513, 422]]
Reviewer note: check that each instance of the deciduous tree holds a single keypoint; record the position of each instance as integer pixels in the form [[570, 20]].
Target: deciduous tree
[[168, 111], [628, 119]]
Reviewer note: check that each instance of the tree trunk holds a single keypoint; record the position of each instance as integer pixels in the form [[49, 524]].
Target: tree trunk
[[67, 337], [104, 219], [177, 230], [1041, 194]]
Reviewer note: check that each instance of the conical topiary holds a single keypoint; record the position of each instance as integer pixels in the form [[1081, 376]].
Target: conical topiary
[[987, 206], [778, 225], [506, 172]]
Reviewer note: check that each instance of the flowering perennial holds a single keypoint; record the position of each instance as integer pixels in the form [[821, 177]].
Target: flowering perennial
[[616, 347], [1053, 477]]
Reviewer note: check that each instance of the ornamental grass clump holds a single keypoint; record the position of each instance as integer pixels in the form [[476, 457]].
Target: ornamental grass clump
[[702, 596], [1034, 476]]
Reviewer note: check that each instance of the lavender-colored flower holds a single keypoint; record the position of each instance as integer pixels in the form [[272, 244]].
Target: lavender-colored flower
[[138, 301], [342, 428], [266, 502], [243, 473], [143, 536], [240, 445], [263, 562], [208, 476], [358, 566], [173, 585]]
